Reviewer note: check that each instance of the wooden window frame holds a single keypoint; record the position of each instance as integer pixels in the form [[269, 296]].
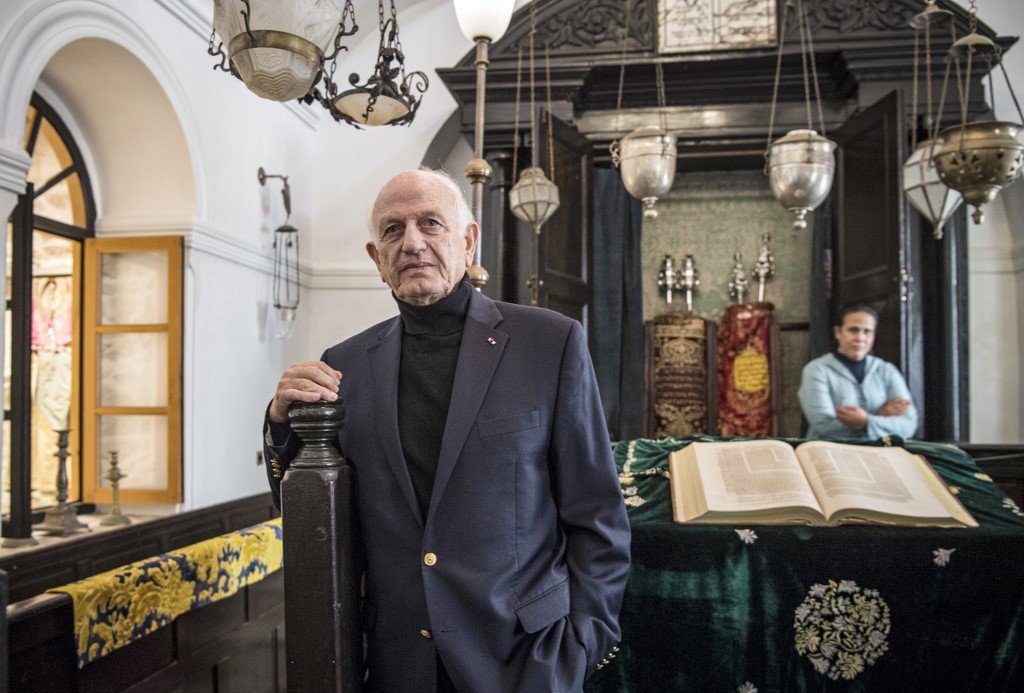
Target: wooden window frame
[[92, 409]]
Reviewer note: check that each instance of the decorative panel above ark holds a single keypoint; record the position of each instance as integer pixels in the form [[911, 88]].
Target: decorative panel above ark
[[856, 44]]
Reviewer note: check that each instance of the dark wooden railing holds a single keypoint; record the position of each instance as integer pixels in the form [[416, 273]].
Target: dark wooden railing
[[322, 558]]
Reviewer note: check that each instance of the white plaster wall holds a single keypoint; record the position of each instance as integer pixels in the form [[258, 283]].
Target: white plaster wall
[[189, 168], [996, 273]]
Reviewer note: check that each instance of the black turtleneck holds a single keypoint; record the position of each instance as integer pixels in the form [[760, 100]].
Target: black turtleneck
[[431, 336], [856, 368]]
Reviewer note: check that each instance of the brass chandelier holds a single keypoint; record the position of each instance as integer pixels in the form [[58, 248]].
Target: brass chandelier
[[282, 50], [979, 158]]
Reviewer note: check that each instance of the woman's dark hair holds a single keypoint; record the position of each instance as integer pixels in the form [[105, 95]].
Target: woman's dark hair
[[841, 317]]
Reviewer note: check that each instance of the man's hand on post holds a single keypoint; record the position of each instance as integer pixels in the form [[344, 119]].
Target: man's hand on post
[[306, 381], [852, 417], [896, 406]]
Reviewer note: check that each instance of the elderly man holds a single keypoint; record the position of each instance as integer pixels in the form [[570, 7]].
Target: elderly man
[[495, 532]]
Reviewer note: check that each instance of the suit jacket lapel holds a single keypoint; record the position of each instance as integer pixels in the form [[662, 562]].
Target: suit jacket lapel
[[479, 354], [385, 358]]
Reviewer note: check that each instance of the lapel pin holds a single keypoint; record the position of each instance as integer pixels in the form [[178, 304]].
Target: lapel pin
[[490, 340]]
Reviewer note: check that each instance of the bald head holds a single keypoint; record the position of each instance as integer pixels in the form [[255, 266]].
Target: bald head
[[423, 236], [426, 179]]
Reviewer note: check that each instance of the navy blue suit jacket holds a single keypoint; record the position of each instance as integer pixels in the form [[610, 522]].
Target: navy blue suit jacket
[[526, 519]]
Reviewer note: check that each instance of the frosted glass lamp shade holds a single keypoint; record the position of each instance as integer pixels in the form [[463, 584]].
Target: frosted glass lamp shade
[[926, 192], [281, 56], [483, 19], [386, 110], [533, 198]]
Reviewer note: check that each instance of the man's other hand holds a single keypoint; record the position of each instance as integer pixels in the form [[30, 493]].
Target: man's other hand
[[306, 381], [852, 417], [896, 406]]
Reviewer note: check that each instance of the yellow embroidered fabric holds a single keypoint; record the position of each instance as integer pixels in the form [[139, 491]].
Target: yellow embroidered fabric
[[120, 606]]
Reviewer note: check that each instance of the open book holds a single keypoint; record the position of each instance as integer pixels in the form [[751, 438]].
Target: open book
[[818, 483]]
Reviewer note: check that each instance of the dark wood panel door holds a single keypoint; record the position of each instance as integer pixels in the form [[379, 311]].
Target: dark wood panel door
[[565, 240], [875, 256]]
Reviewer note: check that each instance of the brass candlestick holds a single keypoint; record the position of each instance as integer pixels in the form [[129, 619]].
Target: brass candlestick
[[114, 476], [61, 519]]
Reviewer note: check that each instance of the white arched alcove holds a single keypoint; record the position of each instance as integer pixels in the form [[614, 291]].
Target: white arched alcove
[[123, 94]]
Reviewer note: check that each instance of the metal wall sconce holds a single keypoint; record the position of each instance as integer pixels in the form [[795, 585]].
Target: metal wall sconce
[[281, 50], [286, 261]]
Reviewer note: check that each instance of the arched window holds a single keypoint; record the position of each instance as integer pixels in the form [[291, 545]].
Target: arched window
[[42, 339]]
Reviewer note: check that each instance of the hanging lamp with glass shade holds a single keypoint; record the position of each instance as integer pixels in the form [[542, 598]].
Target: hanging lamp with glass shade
[[801, 164], [925, 191], [390, 96], [534, 198], [979, 158], [278, 49], [646, 157], [483, 22]]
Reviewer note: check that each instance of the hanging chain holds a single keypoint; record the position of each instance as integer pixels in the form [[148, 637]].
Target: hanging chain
[[974, 16], [775, 89], [803, 60], [929, 101], [613, 146], [941, 108], [533, 96], [380, 13], [551, 115], [914, 92], [515, 131], [659, 76], [814, 72]]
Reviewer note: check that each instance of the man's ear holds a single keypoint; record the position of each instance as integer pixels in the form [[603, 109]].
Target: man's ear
[[836, 331], [371, 250], [472, 237]]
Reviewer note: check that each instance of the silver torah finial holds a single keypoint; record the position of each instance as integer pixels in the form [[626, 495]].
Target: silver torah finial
[[667, 277], [738, 283], [764, 267], [689, 280]]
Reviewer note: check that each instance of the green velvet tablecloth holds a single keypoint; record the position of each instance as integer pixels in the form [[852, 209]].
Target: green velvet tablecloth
[[852, 608]]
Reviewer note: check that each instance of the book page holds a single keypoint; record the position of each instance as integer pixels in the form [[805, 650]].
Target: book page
[[752, 475], [887, 480]]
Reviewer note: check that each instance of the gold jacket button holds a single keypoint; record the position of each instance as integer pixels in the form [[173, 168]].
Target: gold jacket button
[[425, 633], [430, 559]]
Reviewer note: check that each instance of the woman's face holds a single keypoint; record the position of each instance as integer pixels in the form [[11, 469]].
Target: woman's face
[[856, 335]]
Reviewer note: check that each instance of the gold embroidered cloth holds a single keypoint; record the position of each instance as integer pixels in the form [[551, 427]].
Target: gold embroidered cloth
[[120, 606], [675, 370]]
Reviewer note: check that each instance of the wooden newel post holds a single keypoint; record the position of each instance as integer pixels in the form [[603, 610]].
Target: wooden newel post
[[322, 557]]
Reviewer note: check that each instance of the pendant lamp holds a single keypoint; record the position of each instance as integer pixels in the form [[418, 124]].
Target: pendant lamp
[[800, 165]]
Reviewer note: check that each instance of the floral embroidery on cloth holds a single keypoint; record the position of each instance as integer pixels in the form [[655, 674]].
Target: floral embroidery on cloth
[[1012, 506], [120, 606], [842, 628], [941, 557], [747, 536]]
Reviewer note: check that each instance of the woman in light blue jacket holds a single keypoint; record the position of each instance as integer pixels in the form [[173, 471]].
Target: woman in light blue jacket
[[849, 394]]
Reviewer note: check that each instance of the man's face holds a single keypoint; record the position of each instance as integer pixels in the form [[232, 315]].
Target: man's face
[[418, 248], [856, 335]]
